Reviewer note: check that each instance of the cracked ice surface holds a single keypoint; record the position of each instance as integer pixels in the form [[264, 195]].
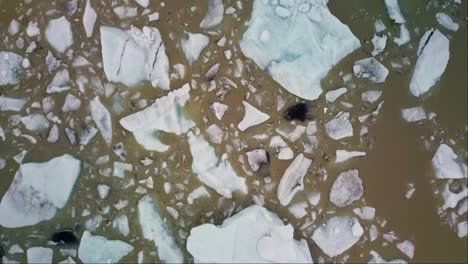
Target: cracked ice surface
[[297, 44]]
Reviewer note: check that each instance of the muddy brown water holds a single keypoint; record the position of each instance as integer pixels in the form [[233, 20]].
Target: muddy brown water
[[396, 154]]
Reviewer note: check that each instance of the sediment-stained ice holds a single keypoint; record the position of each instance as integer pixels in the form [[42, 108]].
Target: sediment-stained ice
[[214, 14], [154, 228], [102, 118], [252, 117], [433, 56], [257, 158], [98, 249], [38, 191], [292, 180], [297, 43], [11, 68], [346, 189], [59, 34], [254, 235], [337, 234], [193, 44], [447, 165], [134, 56], [371, 69]]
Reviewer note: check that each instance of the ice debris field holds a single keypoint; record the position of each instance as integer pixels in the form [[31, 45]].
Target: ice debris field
[[227, 131]]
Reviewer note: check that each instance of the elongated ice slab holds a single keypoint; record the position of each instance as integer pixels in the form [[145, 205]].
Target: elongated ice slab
[[293, 179], [447, 165], [344, 155], [38, 191], [89, 18], [254, 235], [11, 68], [98, 249], [297, 43]]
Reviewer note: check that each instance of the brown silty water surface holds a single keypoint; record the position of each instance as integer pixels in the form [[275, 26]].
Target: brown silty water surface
[[397, 153]]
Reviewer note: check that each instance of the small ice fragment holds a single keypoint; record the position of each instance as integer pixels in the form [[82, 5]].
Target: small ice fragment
[[33, 29], [60, 82], [377, 259], [379, 44], [89, 18], [98, 249], [120, 169], [292, 180], [103, 190], [35, 122], [346, 189], [13, 27], [257, 158], [298, 210], [121, 224], [71, 104], [215, 134], [446, 21], [404, 36], [339, 128], [394, 11], [344, 155], [59, 34], [365, 212], [285, 154], [214, 14], [124, 12], [11, 104], [252, 117], [219, 109], [193, 44], [39, 255], [53, 135], [331, 96], [102, 118], [198, 193], [371, 96], [407, 248], [413, 114], [371, 69], [379, 26], [447, 165], [462, 229], [11, 68], [143, 3]]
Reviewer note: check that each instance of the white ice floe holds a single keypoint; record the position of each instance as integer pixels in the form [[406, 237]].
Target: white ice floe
[[39, 255], [102, 118], [124, 12], [154, 228], [337, 235], [59, 34], [339, 128], [365, 212], [103, 190], [252, 117], [38, 191], [166, 114], [452, 198], [257, 158], [394, 11], [377, 259], [143, 3], [371, 69], [447, 165], [332, 95], [371, 96], [98, 249], [54, 134], [11, 104], [292, 180], [344, 155], [219, 109], [217, 174], [462, 229], [346, 189], [133, 56], [404, 37], [197, 194], [89, 19], [214, 14], [35, 122], [215, 134], [71, 104], [407, 248], [11, 68], [254, 235], [446, 21], [193, 44], [60, 82], [379, 44], [283, 152], [298, 210], [433, 56], [413, 114], [379, 26], [297, 43]]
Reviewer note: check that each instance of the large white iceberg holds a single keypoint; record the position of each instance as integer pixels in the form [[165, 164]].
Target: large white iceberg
[[433, 55], [254, 235], [154, 228], [133, 56], [166, 114], [11, 68], [217, 174], [297, 42], [293, 179], [447, 165], [38, 191], [98, 249]]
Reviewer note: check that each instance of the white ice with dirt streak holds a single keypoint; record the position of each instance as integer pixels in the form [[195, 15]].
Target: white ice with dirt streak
[[292, 180]]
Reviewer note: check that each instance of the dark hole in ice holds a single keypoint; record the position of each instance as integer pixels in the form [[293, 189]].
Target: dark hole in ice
[[455, 187], [268, 157], [297, 111], [65, 236], [325, 157], [2, 253]]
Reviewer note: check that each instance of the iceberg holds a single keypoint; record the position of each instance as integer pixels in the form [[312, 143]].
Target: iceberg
[[346, 189], [59, 34], [433, 56], [293, 179], [11, 68], [447, 165], [217, 174], [166, 114], [254, 235], [214, 14], [38, 191], [337, 234], [371, 69], [193, 44], [133, 56], [252, 117], [155, 228], [297, 43], [98, 249]]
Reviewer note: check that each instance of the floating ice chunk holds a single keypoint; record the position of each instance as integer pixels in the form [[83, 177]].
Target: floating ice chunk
[[462, 229], [404, 36], [102, 118], [53, 135], [331, 96], [254, 235], [35, 122], [2, 163], [11, 104], [298, 210], [38, 191], [219, 109], [13, 27], [433, 56], [215, 134], [198, 193], [103, 190], [252, 117], [257, 158], [120, 169], [121, 224], [337, 235], [371, 69], [214, 14], [154, 228], [125, 11], [39, 255], [285, 154], [143, 3], [379, 44], [135, 56], [365, 213], [413, 114], [59, 34], [71, 104], [379, 26], [371, 96], [193, 44], [217, 174], [89, 18], [451, 198], [344, 155], [98, 249], [446, 21], [377, 259], [407, 248], [339, 128], [394, 11], [447, 165], [11, 68], [297, 50], [292, 180], [166, 114], [60, 82], [33, 29], [346, 189]]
